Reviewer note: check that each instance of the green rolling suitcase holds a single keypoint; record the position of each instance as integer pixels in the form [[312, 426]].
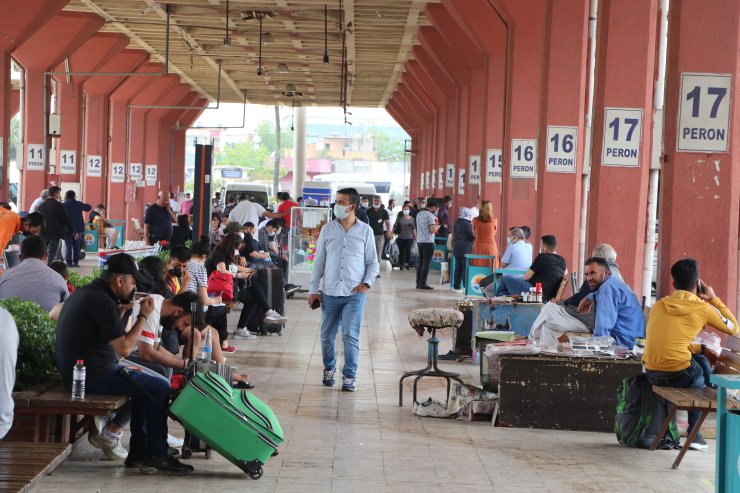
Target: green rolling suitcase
[[236, 424]]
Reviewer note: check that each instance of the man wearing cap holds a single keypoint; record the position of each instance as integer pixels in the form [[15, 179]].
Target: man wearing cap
[[90, 328]]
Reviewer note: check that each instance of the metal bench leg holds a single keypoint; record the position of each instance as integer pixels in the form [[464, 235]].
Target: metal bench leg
[[690, 439], [664, 428]]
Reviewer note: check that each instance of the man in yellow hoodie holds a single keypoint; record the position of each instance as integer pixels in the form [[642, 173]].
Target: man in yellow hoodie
[[671, 358]]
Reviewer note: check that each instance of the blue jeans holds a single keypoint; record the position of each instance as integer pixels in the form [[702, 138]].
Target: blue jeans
[[512, 285], [149, 402], [347, 312], [696, 375], [73, 248]]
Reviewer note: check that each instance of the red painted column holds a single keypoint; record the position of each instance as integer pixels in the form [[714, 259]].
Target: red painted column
[[458, 39], [139, 136], [158, 147], [179, 140], [624, 79], [700, 191], [45, 49], [434, 128], [563, 105], [90, 57], [119, 135], [168, 153], [97, 92], [19, 20], [490, 31]]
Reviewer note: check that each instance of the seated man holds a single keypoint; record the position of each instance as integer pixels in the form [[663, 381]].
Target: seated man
[[8, 356], [32, 279], [90, 329], [618, 313], [518, 254], [548, 269], [177, 275], [33, 224], [671, 358], [557, 318]]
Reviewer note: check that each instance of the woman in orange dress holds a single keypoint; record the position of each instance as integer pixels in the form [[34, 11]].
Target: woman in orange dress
[[485, 227]]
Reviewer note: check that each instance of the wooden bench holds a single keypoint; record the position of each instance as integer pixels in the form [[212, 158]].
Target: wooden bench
[[703, 399], [22, 465], [52, 415]]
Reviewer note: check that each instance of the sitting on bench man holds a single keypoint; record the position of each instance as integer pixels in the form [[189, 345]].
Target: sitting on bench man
[[671, 359]]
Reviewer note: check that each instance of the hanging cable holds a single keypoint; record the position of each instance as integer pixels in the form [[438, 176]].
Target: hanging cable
[[326, 33], [260, 72]]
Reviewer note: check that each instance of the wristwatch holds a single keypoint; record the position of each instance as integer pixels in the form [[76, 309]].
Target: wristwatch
[[366, 285]]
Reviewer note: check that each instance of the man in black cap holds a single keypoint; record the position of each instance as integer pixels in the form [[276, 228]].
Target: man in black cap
[[90, 328]]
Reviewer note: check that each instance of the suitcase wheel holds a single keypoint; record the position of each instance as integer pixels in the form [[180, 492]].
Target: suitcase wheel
[[253, 468], [209, 452], [185, 452]]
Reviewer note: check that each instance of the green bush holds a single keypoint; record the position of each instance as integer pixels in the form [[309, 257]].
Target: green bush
[[36, 361], [78, 280]]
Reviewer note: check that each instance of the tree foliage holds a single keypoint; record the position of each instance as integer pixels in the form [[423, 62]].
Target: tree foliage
[[387, 148], [266, 132]]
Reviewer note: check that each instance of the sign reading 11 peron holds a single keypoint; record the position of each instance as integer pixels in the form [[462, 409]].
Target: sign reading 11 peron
[[704, 113]]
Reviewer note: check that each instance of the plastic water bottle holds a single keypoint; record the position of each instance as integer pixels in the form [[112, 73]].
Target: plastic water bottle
[[206, 347], [78, 381]]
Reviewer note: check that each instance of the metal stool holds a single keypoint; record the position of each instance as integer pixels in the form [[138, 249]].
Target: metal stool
[[431, 319]]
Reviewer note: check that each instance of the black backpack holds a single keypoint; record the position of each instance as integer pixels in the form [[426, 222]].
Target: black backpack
[[640, 415]]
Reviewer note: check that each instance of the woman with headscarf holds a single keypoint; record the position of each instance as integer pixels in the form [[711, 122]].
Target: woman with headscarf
[[462, 243], [485, 227]]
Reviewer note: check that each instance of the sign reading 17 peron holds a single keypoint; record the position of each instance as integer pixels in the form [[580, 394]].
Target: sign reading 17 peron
[[704, 113]]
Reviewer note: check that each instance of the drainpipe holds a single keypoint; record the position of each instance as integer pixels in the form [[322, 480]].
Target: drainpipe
[[657, 154], [593, 17]]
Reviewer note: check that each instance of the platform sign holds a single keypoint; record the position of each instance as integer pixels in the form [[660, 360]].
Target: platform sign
[[622, 137], [68, 162], [151, 174], [135, 171], [450, 177], [461, 182], [35, 157], [421, 181], [494, 165], [117, 173], [433, 175], [523, 158], [562, 147], [441, 178], [95, 166], [704, 113], [474, 167]]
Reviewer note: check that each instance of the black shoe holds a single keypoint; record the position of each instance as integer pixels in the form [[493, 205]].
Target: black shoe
[[450, 356], [377, 277], [165, 465], [243, 385], [425, 287], [134, 460]]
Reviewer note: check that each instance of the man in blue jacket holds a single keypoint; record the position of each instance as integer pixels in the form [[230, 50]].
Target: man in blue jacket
[[74, 209], [618, 313]]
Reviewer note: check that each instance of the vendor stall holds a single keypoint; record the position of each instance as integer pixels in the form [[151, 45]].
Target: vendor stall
[[306, 224]]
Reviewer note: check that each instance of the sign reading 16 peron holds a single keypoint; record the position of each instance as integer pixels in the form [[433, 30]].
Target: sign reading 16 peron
[[704, 113]]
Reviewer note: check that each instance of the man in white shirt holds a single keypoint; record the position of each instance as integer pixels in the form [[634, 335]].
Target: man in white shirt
[[39, 200], [8, 356], [174, 204], [247, 211]]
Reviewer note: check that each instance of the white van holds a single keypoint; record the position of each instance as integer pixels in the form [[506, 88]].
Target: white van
[[256, 192], [366, 190]]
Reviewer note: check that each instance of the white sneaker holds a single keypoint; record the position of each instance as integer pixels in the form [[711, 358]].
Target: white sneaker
[[244, 333], [274, 316], [111, 447], [175, 442], [98, 424]]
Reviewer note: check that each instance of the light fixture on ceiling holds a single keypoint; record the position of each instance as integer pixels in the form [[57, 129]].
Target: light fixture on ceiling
[[227, 42], [151, 8], [227, 39], [290, 91], [281, 69], [326, 33]]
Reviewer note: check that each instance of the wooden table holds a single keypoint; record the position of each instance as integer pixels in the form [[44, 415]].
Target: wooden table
[[22, 465]]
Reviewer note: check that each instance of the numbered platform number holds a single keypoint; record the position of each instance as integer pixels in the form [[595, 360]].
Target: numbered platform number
[[151, 174], [494, 165], [94, 166], [474, 173], [450, 177], [117, 173], [622, 137], [136, 171], [704, 113], [561, 149], [35, 157], [68, 162], [523, 158], [461, 182]]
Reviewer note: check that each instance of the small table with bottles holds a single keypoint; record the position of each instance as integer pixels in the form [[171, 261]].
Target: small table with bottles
[[306, 224]]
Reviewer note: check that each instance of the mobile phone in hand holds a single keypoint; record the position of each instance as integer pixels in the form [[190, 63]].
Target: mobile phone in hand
[[700, 287], [316, 304]]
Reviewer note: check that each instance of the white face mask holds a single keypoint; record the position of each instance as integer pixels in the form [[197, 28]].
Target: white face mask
[[377, 206], [340, 211], [407, 211], [363, 204]]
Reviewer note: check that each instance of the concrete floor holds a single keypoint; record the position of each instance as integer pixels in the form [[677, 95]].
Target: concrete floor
[[361, 442]]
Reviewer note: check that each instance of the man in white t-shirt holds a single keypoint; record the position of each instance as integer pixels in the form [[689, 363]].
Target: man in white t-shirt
[[249, 212], [174, 314], [8, 355], [174, 204]]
